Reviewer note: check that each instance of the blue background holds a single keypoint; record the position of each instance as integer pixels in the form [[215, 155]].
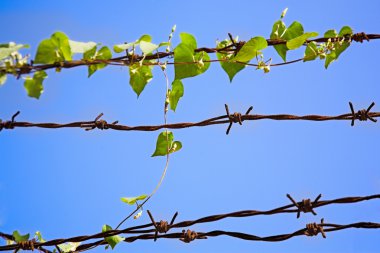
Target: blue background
[[69, 182]]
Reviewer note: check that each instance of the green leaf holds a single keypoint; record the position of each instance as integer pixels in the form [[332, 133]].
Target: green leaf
[[147, 47], [112, 240], [278, 31], [122, 47], [175, 94], [330, 34], [39, 237], [81, 47], [300, 40], [184, 57], [146, 38], [103, 54], [346, 30], [34, 86], [340, 46], [311, 52], [20, 238], [68, 247], [229, 67], [3, 78], [251, 49], [7, 49], [165, 143], [55, 49], [140, 75], [189, 40], [293, 31], [132, 200]]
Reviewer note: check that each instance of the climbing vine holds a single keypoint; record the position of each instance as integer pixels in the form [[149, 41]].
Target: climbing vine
[[59, 52]]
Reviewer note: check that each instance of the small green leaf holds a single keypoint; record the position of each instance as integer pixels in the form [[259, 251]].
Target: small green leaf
[[7, 49], [346, 30], [189, 40], [300, 40], [39, 237], [188, 63], [3, 78], [293, 31], [251, 49], [330, 58], [34, 86], [140, 75], [112, 240], [103, 54], [81, 47], [146, 38], [20, 238], [175, 94], [330, 34], [165, 144], [311, 52], [55, 49], [147, 47], [132, 200], [68, 247], [229, 67], [278, 31], [122, 47]]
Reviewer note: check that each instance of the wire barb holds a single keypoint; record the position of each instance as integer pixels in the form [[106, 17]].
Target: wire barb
[[305, 206], [161, 227], [189, 236], [27, 245], [235, 118], [313, 229], [361, 115], [8, 124], [360, 37], [97, 123]]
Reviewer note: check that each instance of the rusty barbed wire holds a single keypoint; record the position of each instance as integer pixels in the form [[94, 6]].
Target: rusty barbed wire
[[361, 115], [154, 231], [130, 59]]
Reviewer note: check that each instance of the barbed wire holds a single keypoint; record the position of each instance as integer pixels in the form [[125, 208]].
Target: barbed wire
[[130, 59], [361, 115], [155, 230]]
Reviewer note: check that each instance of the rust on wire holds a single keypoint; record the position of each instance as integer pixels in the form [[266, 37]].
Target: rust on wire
[[228, 118], [235, 118], [189, 236], [9, 124], [313, 229], [161, 227], [361, 115], [97, 123], [147, 231], [305, 206]]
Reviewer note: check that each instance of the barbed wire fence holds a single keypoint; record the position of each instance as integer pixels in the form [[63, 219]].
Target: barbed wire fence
[[361, 115], [159, 230]]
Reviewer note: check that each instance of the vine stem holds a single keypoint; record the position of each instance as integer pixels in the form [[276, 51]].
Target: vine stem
[[139, 206]]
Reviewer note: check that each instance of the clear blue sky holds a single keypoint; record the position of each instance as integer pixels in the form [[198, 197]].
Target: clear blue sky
[[69, 182]]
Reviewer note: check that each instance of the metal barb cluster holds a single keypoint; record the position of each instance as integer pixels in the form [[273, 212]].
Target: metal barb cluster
[[313, 229], [98, 123], [235, 118], [305, 206], [361, 115], [360, 37], [161, 227], [8, 124]]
